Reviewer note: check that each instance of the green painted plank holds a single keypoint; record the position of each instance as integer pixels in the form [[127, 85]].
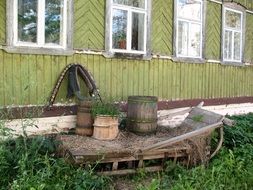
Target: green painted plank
[[25, 96], [2, 89], [47, 72], [113, 78], [108, 77], [145, 78], [164, 80], [125, 80], [8, 80], [156, 77], [41, 78], [130, 78], [151, 78], [118, 78], [2, 21], [160, 78], [183, 76], [248, 56]]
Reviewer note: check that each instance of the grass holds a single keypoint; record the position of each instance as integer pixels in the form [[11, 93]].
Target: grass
[[31, 163]]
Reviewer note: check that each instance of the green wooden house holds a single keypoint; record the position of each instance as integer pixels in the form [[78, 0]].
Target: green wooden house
[[182, 51]]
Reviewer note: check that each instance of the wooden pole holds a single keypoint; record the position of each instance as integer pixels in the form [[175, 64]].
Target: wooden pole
[[183, 137]]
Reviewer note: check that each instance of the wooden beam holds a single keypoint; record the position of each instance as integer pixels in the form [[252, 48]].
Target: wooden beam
[[130, 171]]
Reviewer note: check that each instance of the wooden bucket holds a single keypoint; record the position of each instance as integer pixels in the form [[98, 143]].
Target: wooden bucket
[[142, 114], [105, 127], [84, 121]]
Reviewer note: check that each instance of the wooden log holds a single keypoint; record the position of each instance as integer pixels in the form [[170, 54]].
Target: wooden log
[[176, 113], [183, 137], [221, 134], [130, 171]]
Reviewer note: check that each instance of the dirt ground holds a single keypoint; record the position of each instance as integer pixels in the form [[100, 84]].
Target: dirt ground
[[125, 140]]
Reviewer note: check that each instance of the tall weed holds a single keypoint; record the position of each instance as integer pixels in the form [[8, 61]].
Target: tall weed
[[30, 163]]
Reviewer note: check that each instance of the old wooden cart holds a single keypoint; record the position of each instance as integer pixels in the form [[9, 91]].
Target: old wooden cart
[[189, 143]]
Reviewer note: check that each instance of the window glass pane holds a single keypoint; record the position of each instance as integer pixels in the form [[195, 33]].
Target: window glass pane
[[119, 29], [27, 20], [228, 45], [183, 28], [138, 31], [189, 9], [53, 19], [233, 19], [237, 46], [133, 3], [194, 36]]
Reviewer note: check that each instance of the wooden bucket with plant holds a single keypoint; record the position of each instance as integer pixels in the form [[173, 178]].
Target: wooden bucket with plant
[[105, 120]]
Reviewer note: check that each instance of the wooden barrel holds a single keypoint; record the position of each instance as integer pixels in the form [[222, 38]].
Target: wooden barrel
[[84, 121], [105, 127], [142, 114]]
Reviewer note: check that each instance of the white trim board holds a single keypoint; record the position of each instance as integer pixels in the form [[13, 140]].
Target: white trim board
[[41, 126]]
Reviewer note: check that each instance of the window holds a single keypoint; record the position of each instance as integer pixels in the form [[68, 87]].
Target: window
[[127, 21], [189, 18], [232, 35], [39, 24]]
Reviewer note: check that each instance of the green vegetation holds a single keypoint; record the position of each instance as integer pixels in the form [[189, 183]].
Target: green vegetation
[[99, 108], [198, 118], [31, 163]]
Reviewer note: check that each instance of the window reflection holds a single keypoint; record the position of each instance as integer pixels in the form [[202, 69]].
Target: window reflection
[[228, 45], [233, 19], [119, 29], [53, 19], [232, 35], [138, 31], [189, 9], [183, 38], [189, 28], [237, 46], [133, 3], [27, 21], [194, 36]]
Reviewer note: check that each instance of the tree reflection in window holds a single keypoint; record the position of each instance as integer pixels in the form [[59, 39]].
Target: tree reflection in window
[[27, 20], [53, 19], [133, 3]]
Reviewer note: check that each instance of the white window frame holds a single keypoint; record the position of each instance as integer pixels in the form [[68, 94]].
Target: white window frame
[[233, 32], [65, 45], [130, 9], [189, 21]]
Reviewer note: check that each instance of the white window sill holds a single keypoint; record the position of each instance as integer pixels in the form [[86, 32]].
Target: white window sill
[[232, 63], [127, 55], [38, 50], [188, 60]]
